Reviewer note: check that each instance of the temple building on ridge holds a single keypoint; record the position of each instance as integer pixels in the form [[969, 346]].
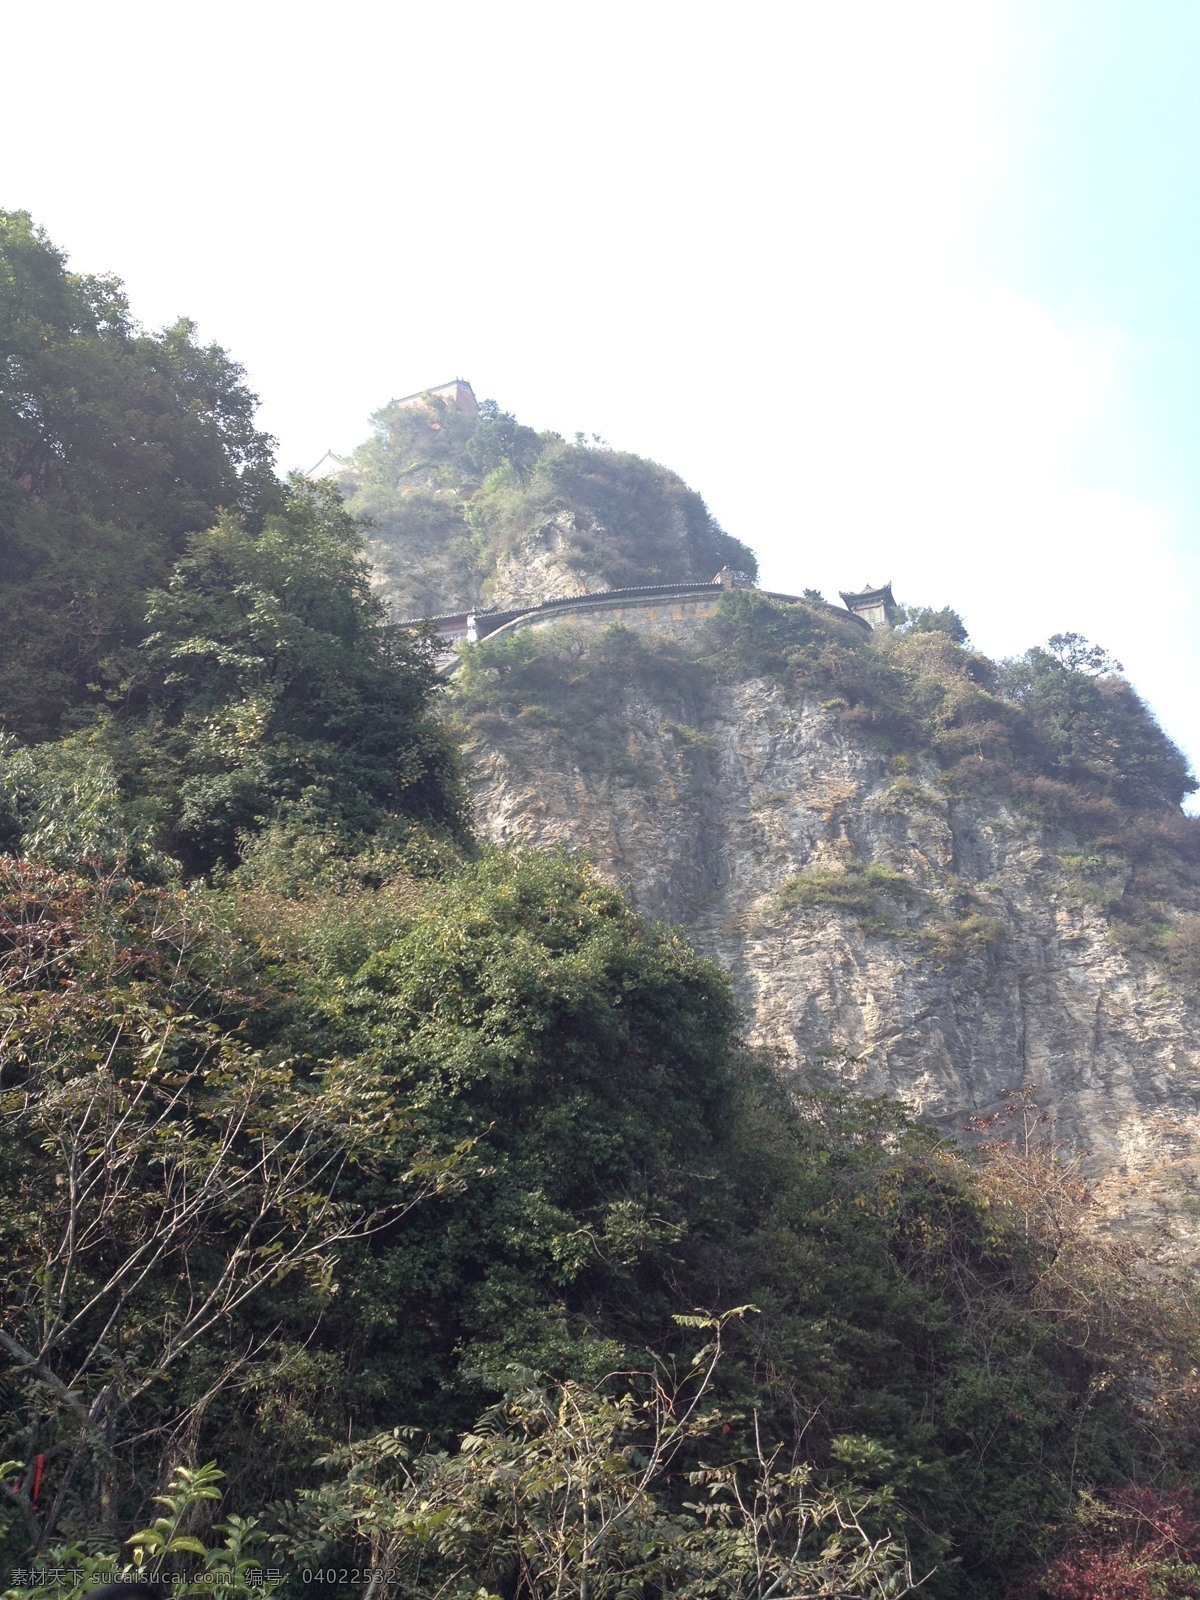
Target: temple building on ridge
[[458, 393], [876, 607], [329, 466]]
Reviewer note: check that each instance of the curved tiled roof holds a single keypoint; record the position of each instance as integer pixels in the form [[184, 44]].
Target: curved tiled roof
[[883, 595]]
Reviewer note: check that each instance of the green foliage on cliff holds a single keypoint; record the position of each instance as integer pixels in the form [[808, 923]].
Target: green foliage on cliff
[[1093, 729], [925, 619], [857, 887], [520, 686], [948, 928], [622, 521], [1057, 733], [451, 497], [1061, 712]]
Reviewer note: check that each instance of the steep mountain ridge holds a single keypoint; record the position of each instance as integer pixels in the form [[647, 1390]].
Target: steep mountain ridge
[[930, 877], [480, 510]]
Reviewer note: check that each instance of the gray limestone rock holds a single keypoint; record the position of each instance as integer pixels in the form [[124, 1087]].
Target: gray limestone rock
[[975, 966]]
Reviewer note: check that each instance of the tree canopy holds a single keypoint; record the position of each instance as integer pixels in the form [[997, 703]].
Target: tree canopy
[[1093, 726], [115, 445], [270, 678]]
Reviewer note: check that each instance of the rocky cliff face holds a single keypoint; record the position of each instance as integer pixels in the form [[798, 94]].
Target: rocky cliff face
[[947, 951], [540, 567], [788, 792]]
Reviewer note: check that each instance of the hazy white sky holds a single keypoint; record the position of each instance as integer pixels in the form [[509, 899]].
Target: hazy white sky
[[906, 291]]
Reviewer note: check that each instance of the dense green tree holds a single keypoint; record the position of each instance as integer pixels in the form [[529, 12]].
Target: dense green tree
[[413, 446], [924, 619], [115, 444], [1092, 726], [151, 431], [499, 440], [523, 1004], [269, 678]]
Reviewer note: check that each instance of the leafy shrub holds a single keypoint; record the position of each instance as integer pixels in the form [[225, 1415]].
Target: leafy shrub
[[154, 1145], [1092, 728], [924, 619], [1134, 1543], [62, 803], [1183, 948], [856, 887], [872, 893], [813, 648], [959, 939], [1071, 805], [239, 1568], [568, 1490]]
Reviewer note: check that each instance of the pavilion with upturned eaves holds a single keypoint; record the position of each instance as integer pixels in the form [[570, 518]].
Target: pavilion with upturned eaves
[[876, 607]]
